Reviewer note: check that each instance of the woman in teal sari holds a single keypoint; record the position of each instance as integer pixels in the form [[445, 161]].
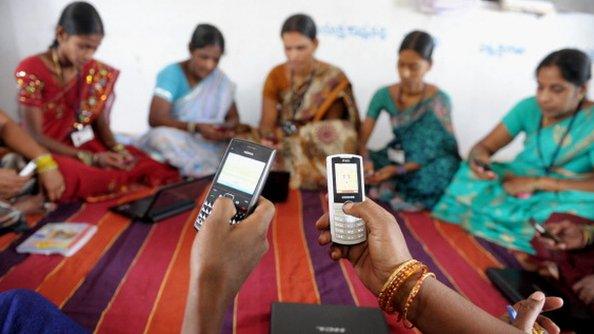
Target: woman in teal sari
[[553, 173], [414, 169], [193, 112]]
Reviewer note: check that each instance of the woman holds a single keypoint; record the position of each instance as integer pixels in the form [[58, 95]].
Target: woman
[[308, 107], [193, 111], [65, 97], [414, 169], [553, 173]]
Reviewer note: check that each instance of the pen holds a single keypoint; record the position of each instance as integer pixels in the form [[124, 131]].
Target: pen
[[511, 312]]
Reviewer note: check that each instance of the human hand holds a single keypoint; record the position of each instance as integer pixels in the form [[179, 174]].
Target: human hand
[[381, 175], [223, 255], [11, 184], [518, 185], [481, 168], [585, 289], [111, 160], [368, 167], [529, 312], [568, 232], [52, 182], [211, 132], [375, 259]]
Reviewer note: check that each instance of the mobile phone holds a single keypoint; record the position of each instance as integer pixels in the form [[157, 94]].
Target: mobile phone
[[486, 167], [345, 183], [241, 176], [543, 231], [28, 169]]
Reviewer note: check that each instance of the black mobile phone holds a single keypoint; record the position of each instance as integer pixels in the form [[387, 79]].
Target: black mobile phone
[[486, 167], [543, 231], [241, 176]]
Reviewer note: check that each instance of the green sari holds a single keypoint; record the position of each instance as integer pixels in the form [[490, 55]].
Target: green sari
[[486, 210]]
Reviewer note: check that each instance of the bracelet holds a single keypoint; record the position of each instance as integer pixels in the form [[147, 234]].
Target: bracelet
[[411, 297], [45, 163], [402, 273], [118, 148], [86, 157], [191, 127]]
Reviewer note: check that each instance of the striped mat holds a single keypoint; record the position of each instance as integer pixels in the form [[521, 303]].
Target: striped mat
[[133, 277]]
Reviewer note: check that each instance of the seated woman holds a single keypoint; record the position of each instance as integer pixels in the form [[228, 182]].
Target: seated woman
[[65, 97], [414, 169], [553, 173], [193, 111], [308, 108]]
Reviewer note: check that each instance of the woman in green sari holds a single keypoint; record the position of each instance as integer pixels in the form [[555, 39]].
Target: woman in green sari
[[554, 172]]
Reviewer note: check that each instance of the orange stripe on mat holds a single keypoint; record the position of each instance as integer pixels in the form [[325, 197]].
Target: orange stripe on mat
[[295, 276], [62, 282]]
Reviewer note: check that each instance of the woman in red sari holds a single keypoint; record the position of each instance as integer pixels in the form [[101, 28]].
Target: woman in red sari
[[65, 97]]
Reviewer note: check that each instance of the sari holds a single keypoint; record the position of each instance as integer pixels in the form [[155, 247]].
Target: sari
[[303, 153], [425, 134], [207, 102], [81, 101], [485, 209]]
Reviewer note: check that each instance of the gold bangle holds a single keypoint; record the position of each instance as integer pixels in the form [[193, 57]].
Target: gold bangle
[[411, 297], [191, 127], [86, 157], [402, 274], [45, 163], [118, 148]]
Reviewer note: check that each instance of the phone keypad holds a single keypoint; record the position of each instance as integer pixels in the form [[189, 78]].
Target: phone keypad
[[346, 227], [206, 209]]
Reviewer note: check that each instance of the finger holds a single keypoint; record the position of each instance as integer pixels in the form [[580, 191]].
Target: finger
[[552, 303], [223, 209], [578, 286], [528, 310], [336, 253], [323, 222], [367, 210], [548, 325], [324, 238], [262, 216]]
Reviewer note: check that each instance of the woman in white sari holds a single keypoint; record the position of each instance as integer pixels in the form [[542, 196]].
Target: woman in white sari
[[193, 112]]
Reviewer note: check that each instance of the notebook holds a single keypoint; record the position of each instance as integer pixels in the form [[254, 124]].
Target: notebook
[[168, 201], [58, 238], [288, 318]]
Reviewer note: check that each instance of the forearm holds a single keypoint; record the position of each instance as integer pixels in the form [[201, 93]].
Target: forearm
[[55, 146], [206, 305], [366, 130], [554, 184], [438, 309], [479, 151], [19, 141], [168, 122]]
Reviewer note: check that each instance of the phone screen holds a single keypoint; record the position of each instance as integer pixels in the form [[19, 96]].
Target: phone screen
[[241, 173], [346, 176]]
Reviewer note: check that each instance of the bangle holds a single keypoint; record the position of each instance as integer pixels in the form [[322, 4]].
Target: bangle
[[191, 127], [45, 163], [400, 275], [86, 157], [411, 297], [118, 148]]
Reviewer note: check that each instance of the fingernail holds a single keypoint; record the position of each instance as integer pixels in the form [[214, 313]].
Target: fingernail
[[537, 296], [347, 205]]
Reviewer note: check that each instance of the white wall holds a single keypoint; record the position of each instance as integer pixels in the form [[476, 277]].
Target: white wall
[[485, 58]]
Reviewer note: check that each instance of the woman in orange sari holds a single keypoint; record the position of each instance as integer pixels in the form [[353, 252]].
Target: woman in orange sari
[[65, 97]]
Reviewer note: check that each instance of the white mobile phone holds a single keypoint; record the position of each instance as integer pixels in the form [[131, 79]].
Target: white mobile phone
[[28, 169], [241, 176], [345, 183]]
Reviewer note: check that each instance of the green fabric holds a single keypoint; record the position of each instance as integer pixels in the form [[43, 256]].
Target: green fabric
[[425, 134], [486, 210]]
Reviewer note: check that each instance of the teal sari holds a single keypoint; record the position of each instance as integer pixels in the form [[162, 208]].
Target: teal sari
[[486, 210]]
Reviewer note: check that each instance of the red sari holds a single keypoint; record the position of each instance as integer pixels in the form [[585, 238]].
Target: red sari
[[82, 101]]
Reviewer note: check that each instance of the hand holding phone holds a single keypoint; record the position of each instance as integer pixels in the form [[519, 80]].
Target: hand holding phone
[[345, 184], [28, 169], [544, 232], [241, 176]]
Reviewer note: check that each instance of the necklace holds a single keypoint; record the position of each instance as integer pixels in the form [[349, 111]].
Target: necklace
[[549, 168], [57, 66]]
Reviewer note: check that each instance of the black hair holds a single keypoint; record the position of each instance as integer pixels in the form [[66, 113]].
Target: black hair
[[420, 42], [205, 35], [300, 23], [80, 18], [575, 66]]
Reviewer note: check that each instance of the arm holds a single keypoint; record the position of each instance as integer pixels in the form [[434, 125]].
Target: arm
[[268, 122], [104, 131], [160, 115], [18, 140], [553, 184], [232, 117], [33, 120], [366, 130], [487, 147]]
